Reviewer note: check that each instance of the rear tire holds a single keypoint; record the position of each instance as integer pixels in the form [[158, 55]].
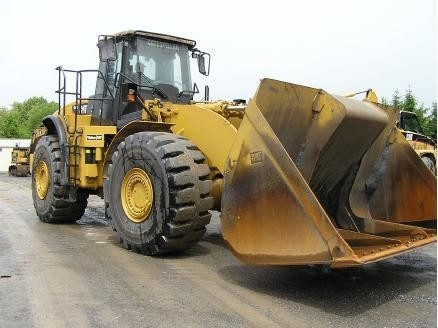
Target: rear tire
[[12, 170], [48, 194], [169, 173]]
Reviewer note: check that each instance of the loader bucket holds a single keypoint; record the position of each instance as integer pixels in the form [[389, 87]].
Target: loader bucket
[[314, 178]]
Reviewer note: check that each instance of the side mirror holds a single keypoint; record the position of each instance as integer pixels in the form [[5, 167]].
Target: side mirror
[[201, 65], [203, 59], [107, 49]]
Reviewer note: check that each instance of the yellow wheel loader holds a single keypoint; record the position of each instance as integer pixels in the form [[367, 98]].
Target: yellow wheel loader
[[19, 162], [300, 176], [410, 127], [424, 146]]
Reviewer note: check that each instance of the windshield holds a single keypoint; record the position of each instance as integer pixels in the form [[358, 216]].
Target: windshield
[[410, 123], [161, 64]]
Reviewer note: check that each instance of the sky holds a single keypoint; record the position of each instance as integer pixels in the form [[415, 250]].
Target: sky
[[340, 46]]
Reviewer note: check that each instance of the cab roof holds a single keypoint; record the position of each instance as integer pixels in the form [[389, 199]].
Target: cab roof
[[156, 36]]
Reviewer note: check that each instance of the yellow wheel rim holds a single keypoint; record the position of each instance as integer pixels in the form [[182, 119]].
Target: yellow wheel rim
[[137, 195], [42, 179]]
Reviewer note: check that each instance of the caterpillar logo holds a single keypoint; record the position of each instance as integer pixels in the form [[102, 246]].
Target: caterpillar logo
[[92, 137], [80, 109]]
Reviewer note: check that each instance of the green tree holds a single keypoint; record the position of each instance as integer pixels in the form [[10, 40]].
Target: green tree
[[410, 104], [38, 113], [20, 120], [10, 125], [396, 99], [431, 122]]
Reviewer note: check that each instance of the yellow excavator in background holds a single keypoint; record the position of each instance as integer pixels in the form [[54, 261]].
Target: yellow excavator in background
[[300, 176]]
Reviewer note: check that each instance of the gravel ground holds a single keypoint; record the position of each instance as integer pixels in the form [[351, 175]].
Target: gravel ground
[[77, 275]]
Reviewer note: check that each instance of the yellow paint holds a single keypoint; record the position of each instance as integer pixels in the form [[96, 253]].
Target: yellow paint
[[212, 133], [99, 155], [137, 195], [210, 126], [42, 179], [94, 136], [31, 157], [88, 176], [371, 96]]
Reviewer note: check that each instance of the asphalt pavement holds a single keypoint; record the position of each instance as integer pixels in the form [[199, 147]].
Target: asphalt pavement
[[77, 275]]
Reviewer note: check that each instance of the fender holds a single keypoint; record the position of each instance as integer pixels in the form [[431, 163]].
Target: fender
[[129, 129], [55, 127]]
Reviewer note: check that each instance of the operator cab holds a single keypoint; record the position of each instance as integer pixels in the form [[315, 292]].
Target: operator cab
[[411, 128], [408, 121], [136, 66]]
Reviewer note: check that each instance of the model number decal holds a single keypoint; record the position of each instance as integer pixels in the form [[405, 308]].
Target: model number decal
[[91, 137]]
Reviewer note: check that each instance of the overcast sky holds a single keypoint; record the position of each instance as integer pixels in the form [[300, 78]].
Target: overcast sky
[[340, 46]]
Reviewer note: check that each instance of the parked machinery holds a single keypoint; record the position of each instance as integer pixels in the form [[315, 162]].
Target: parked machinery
[[424, 146], [19, 162], [300, 176], [410, 127]]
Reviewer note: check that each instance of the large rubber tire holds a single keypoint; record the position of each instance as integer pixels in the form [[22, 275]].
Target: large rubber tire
[[53, 207], [180, 186], [12, 170]]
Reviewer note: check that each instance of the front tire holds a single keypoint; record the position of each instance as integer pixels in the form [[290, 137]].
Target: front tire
[[157, 193], [48, 194]]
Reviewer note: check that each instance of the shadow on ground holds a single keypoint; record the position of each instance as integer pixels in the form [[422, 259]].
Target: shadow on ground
[[345, 292]]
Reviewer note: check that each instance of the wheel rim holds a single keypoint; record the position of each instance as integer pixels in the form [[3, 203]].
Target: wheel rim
[[42, 179], [137, 195]]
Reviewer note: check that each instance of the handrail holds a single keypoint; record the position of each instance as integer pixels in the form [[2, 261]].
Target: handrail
[[77, 93]]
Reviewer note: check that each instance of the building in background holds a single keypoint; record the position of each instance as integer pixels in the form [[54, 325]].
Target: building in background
[[6, 146]]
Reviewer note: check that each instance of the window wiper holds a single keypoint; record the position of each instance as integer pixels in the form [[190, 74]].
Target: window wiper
[[153, 85]]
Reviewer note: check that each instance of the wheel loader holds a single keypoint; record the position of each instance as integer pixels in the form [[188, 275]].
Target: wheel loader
[[424, 146], [19, 162], [301, 176], [410, 127], [20, 155]]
